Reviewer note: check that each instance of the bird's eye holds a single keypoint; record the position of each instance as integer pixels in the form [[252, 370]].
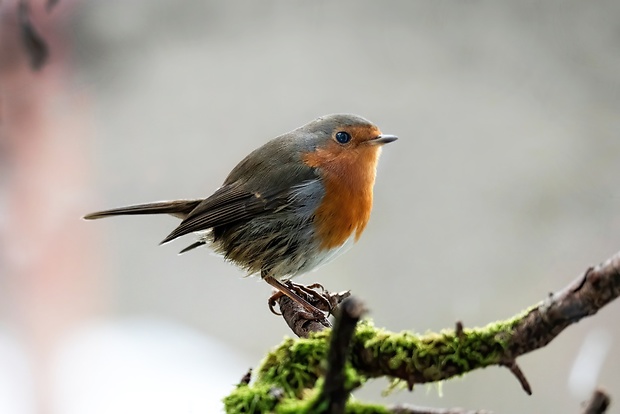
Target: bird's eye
[[343, 137]]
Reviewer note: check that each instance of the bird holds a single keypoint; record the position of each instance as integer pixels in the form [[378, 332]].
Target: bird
[[290, 206]]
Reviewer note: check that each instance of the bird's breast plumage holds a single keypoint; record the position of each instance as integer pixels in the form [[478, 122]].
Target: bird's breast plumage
[[348, 181]]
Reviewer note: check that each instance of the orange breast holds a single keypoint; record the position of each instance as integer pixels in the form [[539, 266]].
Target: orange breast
[[348, 177]]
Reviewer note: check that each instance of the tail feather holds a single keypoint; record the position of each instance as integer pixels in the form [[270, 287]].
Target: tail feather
[[177, 208], [193, 246]]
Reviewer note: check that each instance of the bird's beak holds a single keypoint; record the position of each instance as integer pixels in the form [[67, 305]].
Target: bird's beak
[[383, 139]]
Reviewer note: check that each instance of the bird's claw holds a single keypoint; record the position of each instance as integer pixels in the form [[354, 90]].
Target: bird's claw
[[273, 300], [320, 301]]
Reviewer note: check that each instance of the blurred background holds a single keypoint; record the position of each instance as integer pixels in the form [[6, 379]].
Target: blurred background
[[504, 186]]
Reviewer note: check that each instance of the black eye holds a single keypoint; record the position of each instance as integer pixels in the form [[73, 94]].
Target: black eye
[[343, 137]]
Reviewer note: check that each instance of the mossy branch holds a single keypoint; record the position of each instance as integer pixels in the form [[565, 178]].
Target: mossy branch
[[291, 377]]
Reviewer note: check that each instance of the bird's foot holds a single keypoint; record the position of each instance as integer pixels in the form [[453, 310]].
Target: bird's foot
[[315, 294], [273, 300], [317, 300]]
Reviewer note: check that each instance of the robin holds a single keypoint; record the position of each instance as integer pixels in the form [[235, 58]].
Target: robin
[[290, 206]]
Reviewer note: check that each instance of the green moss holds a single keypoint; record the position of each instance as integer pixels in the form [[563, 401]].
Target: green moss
[[436, 356], [355, 407], [296, 365], [255, 399], [395, 384]]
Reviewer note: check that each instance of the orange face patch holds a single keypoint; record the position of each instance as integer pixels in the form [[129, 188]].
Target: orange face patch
[[362, 133], [348, 173]]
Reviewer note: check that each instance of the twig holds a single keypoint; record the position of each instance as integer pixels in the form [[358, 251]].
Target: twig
[[516, 371], [583, 297], [334, 394], [598, 403], [296, 317], [296, 365], [460, 333], [497, 344], [245, 380]]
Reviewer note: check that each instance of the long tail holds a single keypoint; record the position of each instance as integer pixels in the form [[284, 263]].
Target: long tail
[[177, 208]]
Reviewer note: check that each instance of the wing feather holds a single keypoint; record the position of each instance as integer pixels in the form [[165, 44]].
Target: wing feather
[[226, 206], [267, 180]]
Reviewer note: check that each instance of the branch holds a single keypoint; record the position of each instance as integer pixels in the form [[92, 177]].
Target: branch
[[584, 297], [295, 366], [435, 357], [335, 391], [296, 317]]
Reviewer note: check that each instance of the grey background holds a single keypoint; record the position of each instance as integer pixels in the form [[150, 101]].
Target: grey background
[[503, 186]]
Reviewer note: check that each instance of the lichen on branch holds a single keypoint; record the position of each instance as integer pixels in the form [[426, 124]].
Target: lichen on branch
[[290, 378], [296, 365]]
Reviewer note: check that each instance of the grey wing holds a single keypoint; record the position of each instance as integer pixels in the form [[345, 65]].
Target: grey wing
[[236, 202], [278, 163]]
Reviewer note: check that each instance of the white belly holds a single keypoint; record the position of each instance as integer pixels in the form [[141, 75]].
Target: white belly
[[321, 257]]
